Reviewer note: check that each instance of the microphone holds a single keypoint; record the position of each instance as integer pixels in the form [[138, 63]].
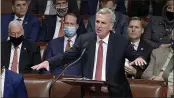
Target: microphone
[[58, 77]]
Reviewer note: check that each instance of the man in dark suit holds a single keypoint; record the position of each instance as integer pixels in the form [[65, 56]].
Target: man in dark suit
[[59, 45], [52, 24], [135, 31], [30, 23], [19, 54], [121, 24], [103, 53], [46, 7], [13, 85]]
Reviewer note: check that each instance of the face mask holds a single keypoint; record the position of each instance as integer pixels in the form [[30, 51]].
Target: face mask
[[62, 11], [16, 41], [70, 31], [170, 15]]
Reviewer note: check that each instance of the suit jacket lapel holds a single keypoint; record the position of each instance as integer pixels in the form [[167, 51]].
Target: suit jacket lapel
[[23, 55], [91, 52], [7, 56]]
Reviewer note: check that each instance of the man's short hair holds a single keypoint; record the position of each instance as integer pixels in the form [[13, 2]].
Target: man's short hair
[[139, 19], [107, 11], [105, 1], [73, 14], [13, 1]]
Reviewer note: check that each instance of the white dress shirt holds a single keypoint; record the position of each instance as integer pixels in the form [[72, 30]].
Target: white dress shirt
[[58, 24], [71, 42], [22, 19], [2, 83], [136, 44], [105, 47], [12, 55]]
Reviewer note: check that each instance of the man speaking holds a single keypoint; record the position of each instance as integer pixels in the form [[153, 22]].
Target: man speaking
[[104, 55]]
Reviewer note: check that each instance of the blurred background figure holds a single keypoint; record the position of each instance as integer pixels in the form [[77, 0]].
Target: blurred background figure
[[30, 23], [159, 28]]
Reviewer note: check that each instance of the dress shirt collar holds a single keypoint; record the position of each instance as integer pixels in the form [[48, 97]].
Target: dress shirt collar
[[136, 44], [19, 47], [22, 18], [72, 39], [105, 40]]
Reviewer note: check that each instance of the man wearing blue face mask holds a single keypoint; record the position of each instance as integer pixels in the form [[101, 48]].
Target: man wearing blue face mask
[[59, 45]]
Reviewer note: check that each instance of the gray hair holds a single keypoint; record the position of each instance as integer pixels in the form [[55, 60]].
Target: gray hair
[[107, 11], [14, 23]]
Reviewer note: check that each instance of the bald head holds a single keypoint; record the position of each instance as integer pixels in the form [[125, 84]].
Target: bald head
[[15, 29]]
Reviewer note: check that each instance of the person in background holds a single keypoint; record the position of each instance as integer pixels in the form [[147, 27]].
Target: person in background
[[102, 59], [135, 32], [89, 7], [12, 84], [59, 45], [19, 54], [53, 25], [161, 66], [47, 7], [121, 24], [159, 28], [30, 23]]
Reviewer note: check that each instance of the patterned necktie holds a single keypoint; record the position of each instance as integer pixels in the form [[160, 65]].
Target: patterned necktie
[[15, 60], [98, 73], [61, 32], [68, 44]]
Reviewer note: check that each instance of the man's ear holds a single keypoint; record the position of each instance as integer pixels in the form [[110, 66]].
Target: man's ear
[[13, 8], [115, 6], [142, 31]]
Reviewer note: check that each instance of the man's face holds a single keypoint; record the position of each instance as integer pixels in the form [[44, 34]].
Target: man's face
[[20, 8], [61, 3], [15, 31], [135, 29], [103, 25], [170, 7], [109, 5], [70, 21]]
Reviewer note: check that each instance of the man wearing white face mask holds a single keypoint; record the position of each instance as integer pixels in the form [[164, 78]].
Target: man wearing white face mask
[[59, 45]]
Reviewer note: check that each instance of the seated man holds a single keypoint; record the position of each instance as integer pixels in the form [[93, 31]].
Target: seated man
[[160, 27], [53, 24], [30, 23], [12, 85], [135, 31], [161, 66], [19, 54], [59, 45], [121, 24]]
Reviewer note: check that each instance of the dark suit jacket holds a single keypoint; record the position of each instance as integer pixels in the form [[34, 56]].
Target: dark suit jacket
[[120, 25], [29, 56], [14, 86], [30, 24], [118, 50], [49, 25], [39, 6], [55, 47], [89, 7], [144, 49]]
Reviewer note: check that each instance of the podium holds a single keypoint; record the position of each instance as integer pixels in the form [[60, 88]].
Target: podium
[[76, 87]]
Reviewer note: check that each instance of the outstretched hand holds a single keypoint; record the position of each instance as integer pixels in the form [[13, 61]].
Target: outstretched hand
[[44, 64], [139, 62]]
